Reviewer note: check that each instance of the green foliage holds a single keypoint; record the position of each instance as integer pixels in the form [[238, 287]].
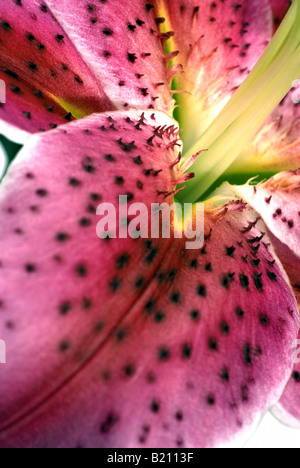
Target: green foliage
[[11, 149]]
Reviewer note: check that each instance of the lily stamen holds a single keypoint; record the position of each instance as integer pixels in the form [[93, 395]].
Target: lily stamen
[[146, 327]]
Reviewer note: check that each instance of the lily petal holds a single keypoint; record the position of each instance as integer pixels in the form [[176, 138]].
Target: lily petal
[[129, 62], [61, 181], [280, 8], [291, 263], [288, 408], [277, 201], [277, 145], [219, 43], [123, 342], [46, 78], [62, 61]]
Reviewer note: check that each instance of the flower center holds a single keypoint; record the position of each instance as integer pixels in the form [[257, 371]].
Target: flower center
[[244, 115]]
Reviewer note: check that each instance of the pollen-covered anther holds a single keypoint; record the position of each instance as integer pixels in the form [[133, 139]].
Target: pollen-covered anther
[[164, 37], [171, 56], [189, 163], [174, 71], [177, 160], [160, 20], [180, 91], [172, 193], [177, 142]]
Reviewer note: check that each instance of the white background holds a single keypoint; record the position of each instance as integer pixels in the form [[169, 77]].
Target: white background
[[271, 433]]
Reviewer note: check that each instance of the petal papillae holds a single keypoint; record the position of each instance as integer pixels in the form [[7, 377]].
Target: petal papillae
[[291, 263], [277, 201], [277, 145], [219, 43], [47, 81], [139, 342], [92, 283], [62, 61], [130, 60]]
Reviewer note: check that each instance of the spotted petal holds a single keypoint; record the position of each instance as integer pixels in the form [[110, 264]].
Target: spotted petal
[[291, 263], [63, 60], [278, 203], [58, 182], [280, 8], [219, 43], [123, 343]]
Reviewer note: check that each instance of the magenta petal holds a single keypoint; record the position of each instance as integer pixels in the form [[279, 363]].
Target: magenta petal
[[278, 201], [223, 37], [277, 145], [46, 78], [219, 43], [64, 291], [280, 8], [150, 344], [288, 408], [129, 59], [291, 263], [63, 60]]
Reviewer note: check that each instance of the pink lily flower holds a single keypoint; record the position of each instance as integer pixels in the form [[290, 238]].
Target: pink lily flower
[[142, 343]]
